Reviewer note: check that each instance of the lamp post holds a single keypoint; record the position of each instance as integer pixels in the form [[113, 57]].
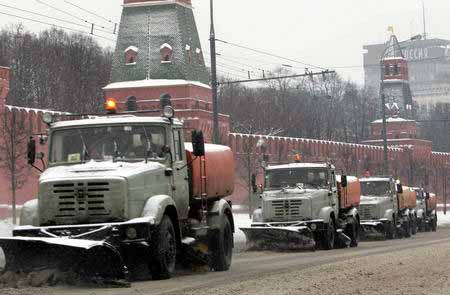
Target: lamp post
[[383, 114], [214, 85]]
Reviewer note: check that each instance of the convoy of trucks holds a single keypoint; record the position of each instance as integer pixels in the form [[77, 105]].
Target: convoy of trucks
[[392, 210], [123, 191]]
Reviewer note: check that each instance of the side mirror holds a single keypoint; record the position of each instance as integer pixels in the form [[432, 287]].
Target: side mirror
[[344, 182], [254, 185], [31, 151], [198, 143]]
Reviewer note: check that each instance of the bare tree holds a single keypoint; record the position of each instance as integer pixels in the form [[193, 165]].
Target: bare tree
[[13, 154]]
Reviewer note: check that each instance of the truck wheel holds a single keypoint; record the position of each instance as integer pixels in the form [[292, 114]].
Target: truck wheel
[[407, 228], [329, 236], [353, 233], [414, 226], [220, 244], [420, 223], [434, 224], [164, 250], [390, 230]]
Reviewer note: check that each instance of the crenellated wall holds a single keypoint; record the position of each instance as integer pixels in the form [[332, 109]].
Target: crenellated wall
[[412, 164], [28, 122]]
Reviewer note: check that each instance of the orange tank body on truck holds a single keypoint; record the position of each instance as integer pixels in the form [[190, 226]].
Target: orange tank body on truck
[[432, 202], [407, 199], [349, 196], [219, 168]]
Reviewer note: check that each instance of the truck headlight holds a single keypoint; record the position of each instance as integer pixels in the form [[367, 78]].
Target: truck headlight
[[131, 233], [257, 216], [313, 226]]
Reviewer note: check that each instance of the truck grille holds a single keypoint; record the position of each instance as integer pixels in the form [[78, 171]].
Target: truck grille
[[286, 209], [367, 212], [82, 198]]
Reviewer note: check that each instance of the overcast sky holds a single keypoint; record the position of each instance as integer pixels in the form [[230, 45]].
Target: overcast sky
[[326, 33]]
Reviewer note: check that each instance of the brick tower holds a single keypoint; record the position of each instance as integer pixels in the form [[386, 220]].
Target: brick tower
[[158, 51], [396, 79]]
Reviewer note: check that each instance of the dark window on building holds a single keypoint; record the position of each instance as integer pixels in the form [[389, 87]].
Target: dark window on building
[[166, 53], [131, 104], [396, 71], [131, 55], [387, 71]]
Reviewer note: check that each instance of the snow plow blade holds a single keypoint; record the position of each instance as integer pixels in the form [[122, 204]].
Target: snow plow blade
[[279, 238], [96, 260]]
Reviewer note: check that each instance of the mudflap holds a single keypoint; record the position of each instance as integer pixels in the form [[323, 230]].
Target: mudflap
[[279, 238], [91, 260]]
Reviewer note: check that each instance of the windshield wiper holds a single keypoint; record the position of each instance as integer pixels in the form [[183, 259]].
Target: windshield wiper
[[85, 150], [116, 150]]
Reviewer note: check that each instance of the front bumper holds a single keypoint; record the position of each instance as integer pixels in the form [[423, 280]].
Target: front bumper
[[116, 234], [377, 225], [289, 236]]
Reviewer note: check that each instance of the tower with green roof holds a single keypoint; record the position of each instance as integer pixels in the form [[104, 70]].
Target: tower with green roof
[[158, 51]]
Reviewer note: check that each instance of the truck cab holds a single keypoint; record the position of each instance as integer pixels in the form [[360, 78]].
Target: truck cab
[[379, 205], [106, 169], [300, 197], [299, 191]]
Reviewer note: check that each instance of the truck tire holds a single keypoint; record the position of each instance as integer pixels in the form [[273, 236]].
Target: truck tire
[[407, 228], [164, 250], [434, 224], [421, 223], [220, 244], [414, 226], [390, 230], [354, 233], [329, 235]]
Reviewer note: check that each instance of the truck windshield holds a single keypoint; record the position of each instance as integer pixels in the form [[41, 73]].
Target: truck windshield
[[285, 178], [419, 195], [124, 143], [376, 188]]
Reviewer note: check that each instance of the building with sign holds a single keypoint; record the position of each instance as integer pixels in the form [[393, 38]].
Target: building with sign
[[429, 68]]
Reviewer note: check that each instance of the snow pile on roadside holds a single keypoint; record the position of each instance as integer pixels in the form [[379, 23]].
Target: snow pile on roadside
[[443, 220], [240, 220], [6, 228]]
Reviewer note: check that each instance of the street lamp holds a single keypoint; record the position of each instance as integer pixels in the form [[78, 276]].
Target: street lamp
[[214, 85]]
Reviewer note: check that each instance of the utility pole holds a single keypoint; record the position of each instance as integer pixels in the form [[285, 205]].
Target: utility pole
[[383, 114], [444, 185], [214, 85]]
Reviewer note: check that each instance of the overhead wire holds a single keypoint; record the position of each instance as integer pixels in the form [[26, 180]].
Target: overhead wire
[[58, 26], [90, 12], [49, 17], [70, 14], [270, 54]]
